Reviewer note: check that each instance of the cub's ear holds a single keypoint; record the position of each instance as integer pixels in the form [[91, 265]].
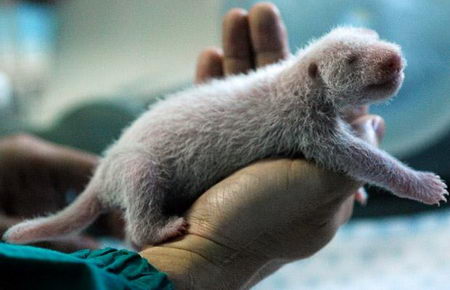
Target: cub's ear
[[313, 70]]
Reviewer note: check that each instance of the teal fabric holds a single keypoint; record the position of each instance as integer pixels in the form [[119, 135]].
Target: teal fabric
[[25, 267]]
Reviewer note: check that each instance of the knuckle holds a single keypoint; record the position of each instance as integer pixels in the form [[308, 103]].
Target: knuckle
[[19, 140], [211, 54]]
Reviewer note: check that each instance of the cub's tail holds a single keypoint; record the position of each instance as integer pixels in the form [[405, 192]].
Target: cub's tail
[[74, 218]]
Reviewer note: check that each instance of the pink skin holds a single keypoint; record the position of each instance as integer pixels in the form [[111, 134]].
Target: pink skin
[[361, 196]]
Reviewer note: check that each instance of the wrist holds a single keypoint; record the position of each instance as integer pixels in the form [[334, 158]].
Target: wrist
[[195, 262]]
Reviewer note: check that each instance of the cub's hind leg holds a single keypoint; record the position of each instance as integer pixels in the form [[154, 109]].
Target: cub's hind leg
[[145, 187]]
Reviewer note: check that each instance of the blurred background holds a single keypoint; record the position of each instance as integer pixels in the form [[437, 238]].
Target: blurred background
[[77, 71]]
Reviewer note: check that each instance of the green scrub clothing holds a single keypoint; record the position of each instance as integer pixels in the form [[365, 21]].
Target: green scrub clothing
[[26, 267]]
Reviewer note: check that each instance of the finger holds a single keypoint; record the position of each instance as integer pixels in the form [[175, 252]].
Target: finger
[[355, 113], [345, 212], [361, 196], [60, 157], [237, 50], [370, 128], [73, 166], [77, 160], [209, 65], [268, 34]]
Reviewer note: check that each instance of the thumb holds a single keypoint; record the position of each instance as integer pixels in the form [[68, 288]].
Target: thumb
[[370, 128]]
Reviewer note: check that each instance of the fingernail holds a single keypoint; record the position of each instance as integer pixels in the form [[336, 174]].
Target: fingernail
[[362, 196], [378, 126]]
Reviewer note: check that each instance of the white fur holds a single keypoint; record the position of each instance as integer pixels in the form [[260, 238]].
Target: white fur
[[191, 140]]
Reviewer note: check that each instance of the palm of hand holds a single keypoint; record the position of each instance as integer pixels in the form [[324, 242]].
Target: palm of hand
[[287, 202]]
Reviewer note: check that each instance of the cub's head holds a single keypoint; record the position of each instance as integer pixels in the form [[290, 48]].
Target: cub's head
[[355, 66]]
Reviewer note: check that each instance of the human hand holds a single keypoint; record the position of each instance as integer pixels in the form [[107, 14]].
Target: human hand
[[269, 213], [34, 178], [250, 40]]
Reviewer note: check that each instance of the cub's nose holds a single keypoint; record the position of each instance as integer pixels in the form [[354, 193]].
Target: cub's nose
[[392, 63]]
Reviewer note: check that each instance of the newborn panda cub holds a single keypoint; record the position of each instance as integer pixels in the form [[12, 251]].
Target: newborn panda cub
[[191, 140]]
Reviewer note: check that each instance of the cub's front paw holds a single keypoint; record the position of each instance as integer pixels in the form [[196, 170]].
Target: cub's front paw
[[428, 188]]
